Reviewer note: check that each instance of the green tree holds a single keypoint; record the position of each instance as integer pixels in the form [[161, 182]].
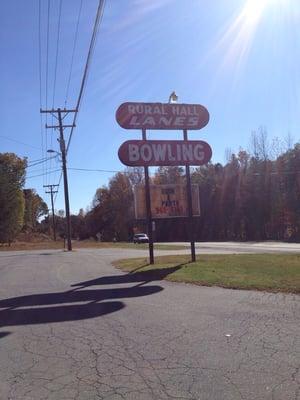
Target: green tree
[[12, 178], [35, 207], [112, 213]]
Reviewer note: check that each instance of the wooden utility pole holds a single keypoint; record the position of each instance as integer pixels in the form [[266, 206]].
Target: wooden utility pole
[[60, 114], [51, 192]]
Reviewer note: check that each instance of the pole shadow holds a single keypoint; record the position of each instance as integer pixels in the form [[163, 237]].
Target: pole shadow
[[26, 255], [13, 317], [88, 296], [42, 308], [134, 276], [3, 334], [45, 308]]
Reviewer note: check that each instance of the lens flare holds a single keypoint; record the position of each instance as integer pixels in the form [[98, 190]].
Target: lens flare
[[237, 39]]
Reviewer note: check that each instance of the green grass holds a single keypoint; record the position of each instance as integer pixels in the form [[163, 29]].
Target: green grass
[[266, 272], [45, 245]]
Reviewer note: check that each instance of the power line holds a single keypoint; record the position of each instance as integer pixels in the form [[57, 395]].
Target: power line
[[47, 76], [40, 81], [55, 73], [59, 182], [98, 20], [47, 53], [40, 162], [57, 48], [33, 161], [48, 172], [17, 141], [73, 53], [93, 170]]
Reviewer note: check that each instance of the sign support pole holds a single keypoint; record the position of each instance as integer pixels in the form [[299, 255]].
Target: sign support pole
[[148, 207], [190, 204]]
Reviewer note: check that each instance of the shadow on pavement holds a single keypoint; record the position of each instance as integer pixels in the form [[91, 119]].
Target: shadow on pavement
[[3, 334], [14, 312], [45, 308], [131, 277], [45, 315], [23, 254], [73, 296]]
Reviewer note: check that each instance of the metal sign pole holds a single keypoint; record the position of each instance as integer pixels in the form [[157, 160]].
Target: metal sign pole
[[190, 204], [148, 207]]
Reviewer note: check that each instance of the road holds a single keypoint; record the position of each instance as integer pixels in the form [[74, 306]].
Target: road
[[73, 327], [244, 247]]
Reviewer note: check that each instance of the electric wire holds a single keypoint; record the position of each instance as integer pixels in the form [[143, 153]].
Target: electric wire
[[98, 19], [34, 161], [40, 81], [47, 52], [40, 162], [73, 52], [57, 51], [55, 74], [48, 172], [93, 170], [47, 81], [59, 182], [18, 141], [35, 171]]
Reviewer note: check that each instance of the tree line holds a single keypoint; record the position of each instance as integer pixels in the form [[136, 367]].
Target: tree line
[[20, 209], [254, 196]]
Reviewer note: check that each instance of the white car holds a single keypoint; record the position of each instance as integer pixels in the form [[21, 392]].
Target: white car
[[140, 238]]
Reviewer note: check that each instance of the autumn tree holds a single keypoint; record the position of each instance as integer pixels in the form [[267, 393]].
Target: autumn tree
[[35, 207], [12, 177], [112, 212]]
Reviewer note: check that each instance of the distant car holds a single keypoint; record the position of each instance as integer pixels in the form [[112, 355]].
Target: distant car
[[140, 238]]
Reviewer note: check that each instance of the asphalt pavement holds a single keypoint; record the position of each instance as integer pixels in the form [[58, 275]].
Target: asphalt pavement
[[74, 327], [243, 247]]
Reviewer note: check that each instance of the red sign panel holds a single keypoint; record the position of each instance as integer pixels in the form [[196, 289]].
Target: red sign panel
[[162, 116], [164, 152]]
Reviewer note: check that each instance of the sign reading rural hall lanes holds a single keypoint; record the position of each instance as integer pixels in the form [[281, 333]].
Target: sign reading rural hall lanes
[[164, 152], [162, 116]]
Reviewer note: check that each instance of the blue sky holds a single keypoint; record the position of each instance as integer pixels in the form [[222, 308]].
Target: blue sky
[[238, 58]]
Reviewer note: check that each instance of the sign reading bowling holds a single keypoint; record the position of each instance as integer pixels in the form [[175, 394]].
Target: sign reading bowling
[[162, 116], [164, 152]]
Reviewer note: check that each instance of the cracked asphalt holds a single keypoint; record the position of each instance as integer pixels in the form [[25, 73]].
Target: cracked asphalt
[[73, 327]]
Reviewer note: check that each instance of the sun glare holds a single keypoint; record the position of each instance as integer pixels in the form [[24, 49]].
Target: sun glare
[[253, 9], [238, 38]]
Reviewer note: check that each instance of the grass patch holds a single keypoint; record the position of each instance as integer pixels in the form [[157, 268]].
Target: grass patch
[[85, 244], [266, 272]]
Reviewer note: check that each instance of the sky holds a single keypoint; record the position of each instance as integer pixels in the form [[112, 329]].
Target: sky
[[238, 58]]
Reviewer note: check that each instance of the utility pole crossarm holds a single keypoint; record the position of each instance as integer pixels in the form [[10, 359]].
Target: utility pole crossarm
[[50, 186], [57, 126], [64, 110]]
